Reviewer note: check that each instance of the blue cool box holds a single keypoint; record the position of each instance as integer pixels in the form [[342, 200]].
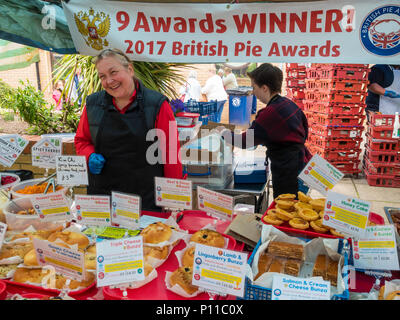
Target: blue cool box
[[251, 172]]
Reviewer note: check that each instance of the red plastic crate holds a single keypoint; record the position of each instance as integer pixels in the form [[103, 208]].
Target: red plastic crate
[[337, 97], [352, 167], [382, 145], [296, 73], [338, 155], [296, 93], [295, 83], [386, 169], [337, 132], [337, 73], [329, 143], [327, 107], [343, 85], [332, 120], [381, 156], [381, 132], [379, 120], [295, 66], [382, 181], [340, 65]]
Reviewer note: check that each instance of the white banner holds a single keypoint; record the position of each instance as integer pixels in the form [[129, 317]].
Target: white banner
[[342, 31]]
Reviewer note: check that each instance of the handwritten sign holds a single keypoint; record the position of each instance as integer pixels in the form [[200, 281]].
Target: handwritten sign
[[219, 270], [3, 229], [72, 170], [377, 249], [120, 261], [217, 204], [285, 287], [346, 214], [68, 262], [320, 175], [11, 146], [173, 193], [93, 210], [45, 151], [52, 207], [125, 209]]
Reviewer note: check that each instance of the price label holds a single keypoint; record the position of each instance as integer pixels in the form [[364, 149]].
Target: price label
[[110, 232], [52, 207], [346, 214], [45, 151], [93, 210], [3, 229], [120, 261], [72, 170], [11, 146], [320, 175], [219, 270], [215, 203], [68, 262], [125, 209], [292, 288], [173, 193], [377, 249]]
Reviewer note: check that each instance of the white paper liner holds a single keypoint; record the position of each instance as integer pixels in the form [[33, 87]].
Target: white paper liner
[[154, 262], [9, 274], [178, 289], [137, 284], [391, 286], [311, 250], [179, 254], [12, 260]]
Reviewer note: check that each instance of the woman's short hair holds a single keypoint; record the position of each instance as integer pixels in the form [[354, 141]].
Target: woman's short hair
[[269, 75], [115, 53], [227, 69]]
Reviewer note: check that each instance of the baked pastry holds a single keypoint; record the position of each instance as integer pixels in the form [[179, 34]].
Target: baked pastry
[[156, 232], [395, 295], [209, 237], [285, 204], [183, 277], [301, 205], [188, 257], [264, 262], [272, 220], [299, 223], [15, 250], [303, 197], [90, 261], [332, 271], [292, 267], [276, 265], [156, 252], [286, 250], [336, 233], [320, 266], [91, 249], [5, 269], [38, 234], [286, 196], [321, 214], [381, 293], [272, 213], [30, 258], [308, 214], [283, 215], [317, 204], [318, 226], [71, 238]]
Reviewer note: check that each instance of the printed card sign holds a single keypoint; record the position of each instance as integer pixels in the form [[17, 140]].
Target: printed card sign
[[66, 261], [376, 250], [125, 209], [346, 214], [72, 170], [45, 151], [320, 175], [93, 210], [11, 146], [285, 287], [52, 206], [173, 193], [3, 229], [215, 203], [120, 261], [219, 270]]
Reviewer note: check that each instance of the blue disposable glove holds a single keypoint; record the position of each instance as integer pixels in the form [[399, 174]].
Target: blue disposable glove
[[391, 94], [96, 163]]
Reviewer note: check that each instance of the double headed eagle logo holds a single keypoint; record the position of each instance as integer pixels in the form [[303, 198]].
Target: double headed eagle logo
[[93, 27]]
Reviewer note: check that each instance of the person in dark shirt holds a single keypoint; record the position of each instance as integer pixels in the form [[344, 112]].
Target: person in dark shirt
[[383, 89], [281, 126]]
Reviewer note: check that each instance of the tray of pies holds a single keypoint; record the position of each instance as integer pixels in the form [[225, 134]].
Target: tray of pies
[[303, 216]]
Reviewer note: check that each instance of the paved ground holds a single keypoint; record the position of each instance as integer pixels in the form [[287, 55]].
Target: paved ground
[[379, 197]]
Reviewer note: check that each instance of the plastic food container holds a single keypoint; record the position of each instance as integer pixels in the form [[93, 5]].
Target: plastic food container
[[8, 186], [186, 119], [19, 222], [31, 182]]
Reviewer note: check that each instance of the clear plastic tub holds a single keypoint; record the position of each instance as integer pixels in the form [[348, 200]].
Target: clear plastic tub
[[30, 182], [20, 222], [8, 186]]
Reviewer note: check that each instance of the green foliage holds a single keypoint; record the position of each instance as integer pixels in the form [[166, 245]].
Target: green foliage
[[8, 116], [6, 96], [251, 67]]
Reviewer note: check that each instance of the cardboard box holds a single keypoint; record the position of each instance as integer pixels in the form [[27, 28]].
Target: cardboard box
[[246, 228]]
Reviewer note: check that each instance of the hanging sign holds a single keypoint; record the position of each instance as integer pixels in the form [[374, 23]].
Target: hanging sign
[[44, 152], [342, 31], [11, 146], [72, 170]]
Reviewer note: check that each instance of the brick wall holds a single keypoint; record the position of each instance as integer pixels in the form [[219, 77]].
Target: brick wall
[[24, 161]]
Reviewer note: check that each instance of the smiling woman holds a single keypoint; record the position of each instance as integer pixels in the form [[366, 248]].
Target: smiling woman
[[113, 129]]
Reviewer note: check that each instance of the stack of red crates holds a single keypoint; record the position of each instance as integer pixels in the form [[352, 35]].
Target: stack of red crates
[[296, 74], [382, 152], [334, 104]]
